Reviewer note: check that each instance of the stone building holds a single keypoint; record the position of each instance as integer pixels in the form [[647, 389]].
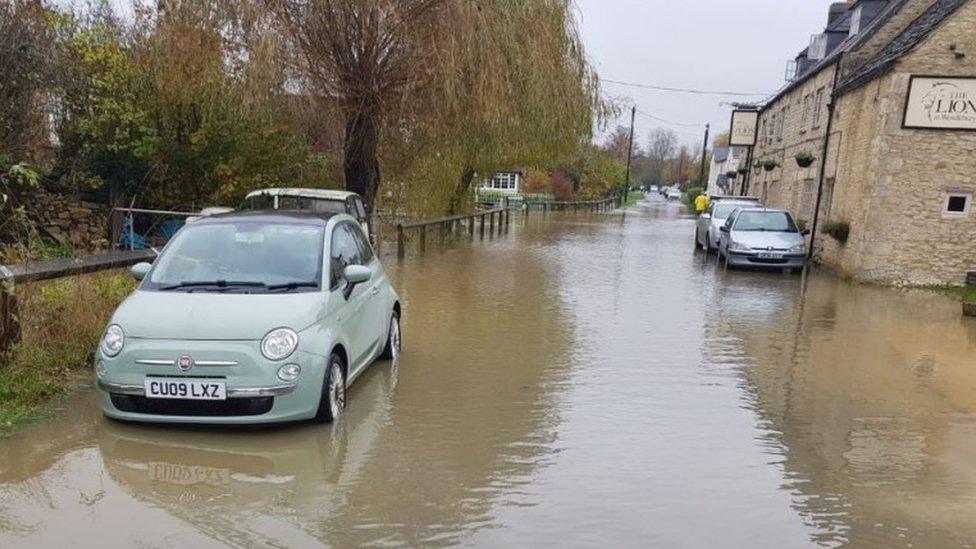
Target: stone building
[[903, 188]]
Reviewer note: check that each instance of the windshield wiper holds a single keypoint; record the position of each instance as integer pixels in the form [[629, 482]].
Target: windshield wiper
[[292, 286], [222, 284]]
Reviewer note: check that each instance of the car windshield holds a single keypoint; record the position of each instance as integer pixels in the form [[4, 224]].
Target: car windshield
[[249, 256], [765, 221]]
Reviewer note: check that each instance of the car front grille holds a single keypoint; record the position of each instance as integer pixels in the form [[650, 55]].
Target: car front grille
[[193, 408]]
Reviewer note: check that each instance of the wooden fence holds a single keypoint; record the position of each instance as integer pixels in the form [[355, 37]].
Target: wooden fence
[[38, 271], [451, 225], [604, 205]]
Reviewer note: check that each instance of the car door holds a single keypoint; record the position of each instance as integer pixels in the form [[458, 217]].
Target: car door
[[702, 225], [723, 239], [378, 304], [353, 316]]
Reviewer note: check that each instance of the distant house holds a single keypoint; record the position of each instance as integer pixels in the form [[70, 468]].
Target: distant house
[[724, 160], [508, 182]]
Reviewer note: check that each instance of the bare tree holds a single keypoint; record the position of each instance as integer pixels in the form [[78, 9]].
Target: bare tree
[[661, 149]]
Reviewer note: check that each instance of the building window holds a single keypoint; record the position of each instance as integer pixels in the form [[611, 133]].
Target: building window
[[818, 108], [957, 205], [507, 181], [856, 20], [805, 114]]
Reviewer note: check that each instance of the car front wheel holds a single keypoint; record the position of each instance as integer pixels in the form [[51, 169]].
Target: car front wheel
[[333, 400]]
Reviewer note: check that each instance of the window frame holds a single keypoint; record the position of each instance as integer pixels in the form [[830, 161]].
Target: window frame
[[949, 195]]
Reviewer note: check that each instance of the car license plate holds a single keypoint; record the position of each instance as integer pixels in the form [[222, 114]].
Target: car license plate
[[186, 389], [770, 255], [188, 474]]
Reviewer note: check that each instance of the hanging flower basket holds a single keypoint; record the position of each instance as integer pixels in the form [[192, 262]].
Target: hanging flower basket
[[770, 165], [804, 159], [743, 170], [731, 174]]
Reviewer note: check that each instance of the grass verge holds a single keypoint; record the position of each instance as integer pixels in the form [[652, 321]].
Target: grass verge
[[961, 293], [61, 324]]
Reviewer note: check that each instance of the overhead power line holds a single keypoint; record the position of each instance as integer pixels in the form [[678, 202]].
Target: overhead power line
[[662, 120], [683, 90]]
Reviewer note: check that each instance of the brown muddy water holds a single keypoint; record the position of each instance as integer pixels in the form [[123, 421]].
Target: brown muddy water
[[583, 381]]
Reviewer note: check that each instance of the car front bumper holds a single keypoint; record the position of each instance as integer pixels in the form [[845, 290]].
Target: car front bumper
[[254, 393], [752, 259]]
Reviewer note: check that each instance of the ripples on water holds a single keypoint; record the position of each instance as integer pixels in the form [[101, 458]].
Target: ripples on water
[[581, 381]]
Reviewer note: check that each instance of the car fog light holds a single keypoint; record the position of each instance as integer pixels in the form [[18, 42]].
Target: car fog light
[[100, 368], [289, 372]]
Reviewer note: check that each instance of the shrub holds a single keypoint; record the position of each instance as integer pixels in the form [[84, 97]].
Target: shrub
[[61, 324], [838, 230]]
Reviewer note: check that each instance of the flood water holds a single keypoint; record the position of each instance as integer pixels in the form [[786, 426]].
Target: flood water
[[581, 381]]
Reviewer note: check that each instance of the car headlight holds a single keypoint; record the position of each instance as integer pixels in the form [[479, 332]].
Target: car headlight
[[739, 247], [799, 249], [113, 341], [279, 344]]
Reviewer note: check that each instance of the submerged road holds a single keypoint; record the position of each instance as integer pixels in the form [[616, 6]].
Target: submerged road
[[584, 380]]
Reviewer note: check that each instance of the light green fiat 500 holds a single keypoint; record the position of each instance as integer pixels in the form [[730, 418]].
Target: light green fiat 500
[[257, 317]]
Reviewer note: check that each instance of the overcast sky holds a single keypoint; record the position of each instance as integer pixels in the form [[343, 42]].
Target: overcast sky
[[724, 45]]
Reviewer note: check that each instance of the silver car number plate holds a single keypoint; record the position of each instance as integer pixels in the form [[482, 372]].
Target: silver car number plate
[[770, 255], [186, 389]]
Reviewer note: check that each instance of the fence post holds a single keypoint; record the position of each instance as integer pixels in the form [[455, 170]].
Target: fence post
[[401, 252], [471, 227], [482, 226], [423, 238], [508, 217], [9, 323]]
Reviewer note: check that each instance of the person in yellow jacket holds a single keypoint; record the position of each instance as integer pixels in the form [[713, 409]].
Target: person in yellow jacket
[[701, 203]]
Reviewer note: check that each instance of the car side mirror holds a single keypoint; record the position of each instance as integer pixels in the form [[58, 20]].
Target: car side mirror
[[357, 274], [806, 232], [140, 270], [706, 215], [724, 229]]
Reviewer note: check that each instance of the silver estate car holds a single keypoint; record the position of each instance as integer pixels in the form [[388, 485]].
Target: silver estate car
[[760, 237], [707, 228]]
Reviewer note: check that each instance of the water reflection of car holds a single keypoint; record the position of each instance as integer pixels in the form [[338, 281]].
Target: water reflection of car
[[673, 194], [316, 200], [256, 317], [709, 224], [762, 238]]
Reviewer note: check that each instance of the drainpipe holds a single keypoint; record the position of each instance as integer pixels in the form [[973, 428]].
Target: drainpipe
[[831, 102]]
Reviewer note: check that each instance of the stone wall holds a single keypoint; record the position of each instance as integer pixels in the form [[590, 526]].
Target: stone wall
[[68, 221], [892, 183], [804, 111]]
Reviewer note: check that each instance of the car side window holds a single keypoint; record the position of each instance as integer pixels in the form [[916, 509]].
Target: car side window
[[345, 252], [365, 250], [731, 219]]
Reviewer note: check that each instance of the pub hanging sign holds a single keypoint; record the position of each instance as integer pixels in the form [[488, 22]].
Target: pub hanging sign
[[743, 130], [941, 103]]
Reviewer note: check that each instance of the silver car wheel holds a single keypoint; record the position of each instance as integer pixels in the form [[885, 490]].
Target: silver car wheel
[[337, 391], [395, 337]]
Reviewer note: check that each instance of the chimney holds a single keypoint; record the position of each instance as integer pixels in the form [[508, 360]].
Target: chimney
[[837, 9]]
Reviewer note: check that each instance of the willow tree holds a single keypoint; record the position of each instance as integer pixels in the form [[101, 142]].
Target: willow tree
[[440, 90]]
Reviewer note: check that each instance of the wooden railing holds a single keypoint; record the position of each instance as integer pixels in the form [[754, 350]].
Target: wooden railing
[[37, 271], [603, 205], [451, 225]]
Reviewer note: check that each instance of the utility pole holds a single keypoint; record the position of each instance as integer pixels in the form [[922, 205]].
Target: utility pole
[[630, 152], [701, 172]]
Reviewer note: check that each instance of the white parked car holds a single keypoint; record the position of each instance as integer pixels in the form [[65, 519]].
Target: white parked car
[[315, 200]]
